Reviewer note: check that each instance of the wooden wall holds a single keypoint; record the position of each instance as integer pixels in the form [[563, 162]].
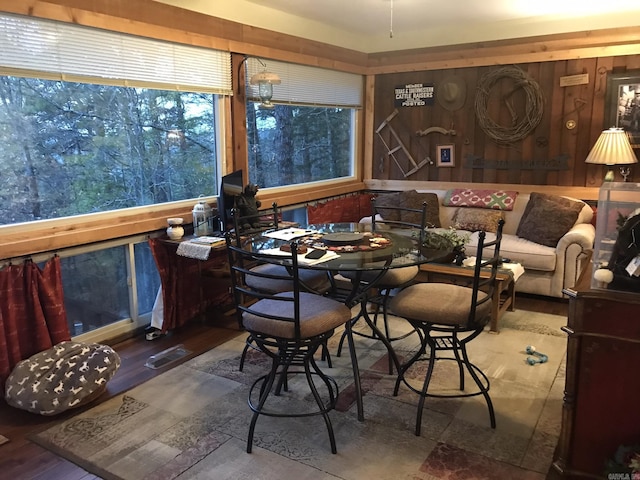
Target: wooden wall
[[584, 104]]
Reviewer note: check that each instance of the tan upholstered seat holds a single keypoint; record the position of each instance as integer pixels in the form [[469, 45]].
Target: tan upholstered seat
[[440, 303]]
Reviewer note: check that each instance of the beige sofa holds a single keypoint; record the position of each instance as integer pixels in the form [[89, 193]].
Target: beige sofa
[[548, 269]]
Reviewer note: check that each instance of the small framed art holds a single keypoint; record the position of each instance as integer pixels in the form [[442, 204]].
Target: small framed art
[[445, 156]]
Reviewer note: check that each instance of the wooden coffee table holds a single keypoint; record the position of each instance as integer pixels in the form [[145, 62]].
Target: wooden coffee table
[[504, 295]]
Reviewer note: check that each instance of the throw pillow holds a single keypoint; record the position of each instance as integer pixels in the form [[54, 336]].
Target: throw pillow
[[547, 221], [536, 198], [414, 200], [492, 199], [389, 200], [475, 219], [409, 199]]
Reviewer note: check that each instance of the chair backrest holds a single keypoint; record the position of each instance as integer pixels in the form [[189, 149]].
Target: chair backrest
[[400, 217], [255, 222], [484, 285], [241, 263]]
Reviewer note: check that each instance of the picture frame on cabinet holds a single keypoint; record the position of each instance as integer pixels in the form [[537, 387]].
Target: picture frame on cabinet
[[445, 156], [622, 105]]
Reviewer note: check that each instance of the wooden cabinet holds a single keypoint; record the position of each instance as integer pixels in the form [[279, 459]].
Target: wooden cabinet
[[601, 408]]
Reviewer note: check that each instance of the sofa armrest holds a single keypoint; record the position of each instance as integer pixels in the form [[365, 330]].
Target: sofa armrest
[[571, 251], [582, 234]]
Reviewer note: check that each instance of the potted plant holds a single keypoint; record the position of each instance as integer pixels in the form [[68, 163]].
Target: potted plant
[[450, 241]]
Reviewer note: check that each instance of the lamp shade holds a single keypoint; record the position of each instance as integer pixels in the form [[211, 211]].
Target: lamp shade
[[612, 148]]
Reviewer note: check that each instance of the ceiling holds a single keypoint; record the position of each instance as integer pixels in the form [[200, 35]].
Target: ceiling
[[384, 25]]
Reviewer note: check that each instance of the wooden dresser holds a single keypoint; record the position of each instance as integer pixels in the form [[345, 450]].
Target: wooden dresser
[[601, 408]]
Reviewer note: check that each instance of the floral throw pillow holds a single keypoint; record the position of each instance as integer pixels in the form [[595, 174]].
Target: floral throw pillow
[[491, 199]]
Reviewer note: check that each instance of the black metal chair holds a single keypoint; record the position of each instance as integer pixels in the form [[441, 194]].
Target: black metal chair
[[289, 327], [404, 220], [275, 279], [449, 317]]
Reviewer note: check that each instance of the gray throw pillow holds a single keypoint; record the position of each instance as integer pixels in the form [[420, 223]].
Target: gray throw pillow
[[409, 199], [546, 222]]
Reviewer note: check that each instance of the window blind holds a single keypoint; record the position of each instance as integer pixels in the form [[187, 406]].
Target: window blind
[[305, 85], [60, 51]]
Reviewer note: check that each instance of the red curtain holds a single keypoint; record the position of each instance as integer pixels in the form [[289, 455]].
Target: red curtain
[[32, 313], [340, 210]]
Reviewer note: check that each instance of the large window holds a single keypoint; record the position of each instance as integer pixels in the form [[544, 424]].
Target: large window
[[76, 148], [92, 120], [297, 144], [309, 135]]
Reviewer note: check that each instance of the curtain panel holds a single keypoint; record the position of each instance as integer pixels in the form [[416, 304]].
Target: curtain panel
[[340, 210], [32, 313]]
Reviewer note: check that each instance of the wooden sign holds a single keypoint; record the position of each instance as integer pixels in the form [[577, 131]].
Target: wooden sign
[[571, 80]]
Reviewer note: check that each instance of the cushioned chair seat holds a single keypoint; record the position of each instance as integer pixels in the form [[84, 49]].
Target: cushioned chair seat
[[440, 303], [68, 375], [392, 278], [320, 315], [315, 280]]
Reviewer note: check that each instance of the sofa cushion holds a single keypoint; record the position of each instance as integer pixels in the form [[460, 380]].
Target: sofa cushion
[[547, 218], [532, 256], [492, 199], [474, 219]]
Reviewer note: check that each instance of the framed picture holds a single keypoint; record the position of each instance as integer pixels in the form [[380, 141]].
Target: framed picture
[[445, 156], [623, 104]]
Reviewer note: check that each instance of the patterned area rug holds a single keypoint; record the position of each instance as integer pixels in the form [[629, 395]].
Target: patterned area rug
[[192, 421]]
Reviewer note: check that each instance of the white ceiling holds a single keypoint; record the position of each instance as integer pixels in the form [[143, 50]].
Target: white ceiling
[[366, 25]]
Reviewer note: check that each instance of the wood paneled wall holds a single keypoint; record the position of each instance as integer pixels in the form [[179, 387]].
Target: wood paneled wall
[[584, 104]]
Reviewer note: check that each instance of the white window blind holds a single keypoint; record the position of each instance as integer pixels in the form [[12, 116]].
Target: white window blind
[[304, 85], [60, 51]]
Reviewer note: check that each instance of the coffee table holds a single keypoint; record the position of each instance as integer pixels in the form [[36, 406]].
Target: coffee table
[[504, 295]]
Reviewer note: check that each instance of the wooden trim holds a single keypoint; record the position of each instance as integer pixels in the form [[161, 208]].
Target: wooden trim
[[545, 48], [166, 22], [369, 127], [583, 193]]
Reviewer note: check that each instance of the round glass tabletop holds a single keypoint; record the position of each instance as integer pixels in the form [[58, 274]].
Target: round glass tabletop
[[349, 246]]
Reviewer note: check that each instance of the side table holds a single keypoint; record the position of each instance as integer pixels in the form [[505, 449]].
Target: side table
[[190, 286]]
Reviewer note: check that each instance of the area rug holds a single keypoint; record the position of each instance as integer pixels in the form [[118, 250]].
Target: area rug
[[191, 422]]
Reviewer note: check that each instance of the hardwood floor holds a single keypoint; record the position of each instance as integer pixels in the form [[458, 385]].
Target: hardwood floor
[[22, 459]]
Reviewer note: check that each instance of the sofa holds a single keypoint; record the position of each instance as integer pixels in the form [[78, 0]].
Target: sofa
[[548, 234]]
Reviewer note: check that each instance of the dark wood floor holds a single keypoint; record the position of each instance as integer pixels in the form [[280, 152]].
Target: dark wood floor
[[21, 459]]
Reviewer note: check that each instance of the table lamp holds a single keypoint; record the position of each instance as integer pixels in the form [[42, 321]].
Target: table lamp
[[612, 148]]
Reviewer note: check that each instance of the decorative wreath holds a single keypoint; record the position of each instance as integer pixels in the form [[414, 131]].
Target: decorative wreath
[[519, 128]]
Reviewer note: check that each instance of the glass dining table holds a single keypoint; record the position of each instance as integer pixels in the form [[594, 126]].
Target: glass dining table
[[349, 247]]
